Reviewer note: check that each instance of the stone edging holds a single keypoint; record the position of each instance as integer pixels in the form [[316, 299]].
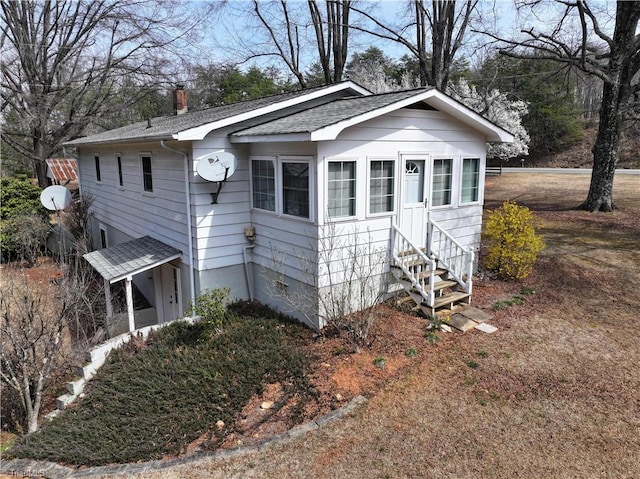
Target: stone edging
[[52, 470]]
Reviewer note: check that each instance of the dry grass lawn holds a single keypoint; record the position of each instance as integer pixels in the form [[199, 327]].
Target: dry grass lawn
[[555, 393]]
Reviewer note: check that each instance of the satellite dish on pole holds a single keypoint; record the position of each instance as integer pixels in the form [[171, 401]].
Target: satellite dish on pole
[[55, 198], [217, 166]]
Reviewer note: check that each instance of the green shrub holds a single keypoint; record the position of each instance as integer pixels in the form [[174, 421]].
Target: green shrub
[[23, 220], [211, 306], [513, 242]]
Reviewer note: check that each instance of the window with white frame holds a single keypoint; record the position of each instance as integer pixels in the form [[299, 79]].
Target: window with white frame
[[104, 239], [119, 165], [381, 186], [441, 182], [295, 188], [341, 181], [147, 175], [470, 180], [263, 177], [96, 161]]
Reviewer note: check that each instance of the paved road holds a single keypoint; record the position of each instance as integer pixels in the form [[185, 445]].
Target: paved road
[[574, 171]]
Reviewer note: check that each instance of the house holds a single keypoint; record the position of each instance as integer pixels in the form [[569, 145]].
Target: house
[[302, 200]]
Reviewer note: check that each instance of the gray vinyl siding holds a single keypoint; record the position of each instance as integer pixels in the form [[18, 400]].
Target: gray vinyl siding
[[135, 213]]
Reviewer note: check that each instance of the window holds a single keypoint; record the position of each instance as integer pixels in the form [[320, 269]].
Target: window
[[96, 159], [381, 188], [119, 162], [104, 242], [470, 180], [295, 189], [441, 189], [147, 177], [342, 188], [264, 184]]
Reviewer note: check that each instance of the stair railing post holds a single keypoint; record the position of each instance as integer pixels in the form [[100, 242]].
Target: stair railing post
[[469, 285], [432, 280]]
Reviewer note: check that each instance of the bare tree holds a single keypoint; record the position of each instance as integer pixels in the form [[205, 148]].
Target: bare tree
[[65, 61], [615, 59], [439, 31], [287, 31], [31, 333], [332, 36]]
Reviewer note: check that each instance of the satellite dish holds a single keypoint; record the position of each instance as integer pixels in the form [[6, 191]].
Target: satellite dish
[[217, 166], [55, 197]]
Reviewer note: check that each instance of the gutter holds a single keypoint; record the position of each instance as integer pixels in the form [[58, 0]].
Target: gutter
[[189, 225]]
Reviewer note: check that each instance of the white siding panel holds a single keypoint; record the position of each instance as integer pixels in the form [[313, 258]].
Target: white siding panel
[[161, 214]]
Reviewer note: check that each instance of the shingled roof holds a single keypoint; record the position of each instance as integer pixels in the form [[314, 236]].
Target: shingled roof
[[168, 127], [313, 119]]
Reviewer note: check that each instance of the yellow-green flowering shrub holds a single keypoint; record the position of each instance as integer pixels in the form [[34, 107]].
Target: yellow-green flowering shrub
[[513, 242]]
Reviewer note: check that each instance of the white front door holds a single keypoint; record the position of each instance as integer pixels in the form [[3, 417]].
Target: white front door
[[415, 196], [171, 293]]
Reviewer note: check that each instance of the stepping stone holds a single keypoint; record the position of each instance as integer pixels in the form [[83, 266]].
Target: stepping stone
[[486, 328], [461, 322], [476, 315]]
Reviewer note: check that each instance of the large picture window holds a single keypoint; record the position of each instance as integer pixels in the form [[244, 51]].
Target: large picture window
[[441, 186], [381, 186], [264, 184], [295, 189], [147, 176], [341, 188], [470, 180]]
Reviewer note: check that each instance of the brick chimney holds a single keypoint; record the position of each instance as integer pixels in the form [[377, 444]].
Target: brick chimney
[[179, 100]]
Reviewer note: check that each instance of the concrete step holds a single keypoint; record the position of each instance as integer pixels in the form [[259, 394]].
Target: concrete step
[[76, 387], [63, 401]]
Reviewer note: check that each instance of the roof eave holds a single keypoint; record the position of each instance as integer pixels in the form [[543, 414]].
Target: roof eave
[[138, 139], [200, 132], [432, 97], [282, 137]]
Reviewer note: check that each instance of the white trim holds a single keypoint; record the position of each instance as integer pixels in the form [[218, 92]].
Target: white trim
[[199, 132], [336, 159], [102, 228], [309, 160], [270, 138], [396, 200], [119, 170], [145, 154], [274, 163], [97, 168], [479, 187], [452, 199], [433, 98]]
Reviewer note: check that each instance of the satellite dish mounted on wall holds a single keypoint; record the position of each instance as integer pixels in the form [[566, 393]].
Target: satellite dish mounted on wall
[[217, 166], [55, 198]]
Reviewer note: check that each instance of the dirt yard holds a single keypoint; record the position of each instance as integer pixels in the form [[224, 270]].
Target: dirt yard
[[554, 393]]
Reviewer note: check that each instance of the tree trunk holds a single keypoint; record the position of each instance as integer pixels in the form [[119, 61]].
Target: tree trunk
[[605, 154], [616, 95]]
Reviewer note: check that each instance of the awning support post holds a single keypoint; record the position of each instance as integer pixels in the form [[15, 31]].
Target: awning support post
[[129, 288], [107, 297]]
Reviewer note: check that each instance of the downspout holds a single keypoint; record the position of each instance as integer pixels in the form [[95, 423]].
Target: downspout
[[187, 193], [246, 269]]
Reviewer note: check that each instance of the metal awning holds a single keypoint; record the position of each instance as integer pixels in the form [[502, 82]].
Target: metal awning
[[128, 259], [62, 169]]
